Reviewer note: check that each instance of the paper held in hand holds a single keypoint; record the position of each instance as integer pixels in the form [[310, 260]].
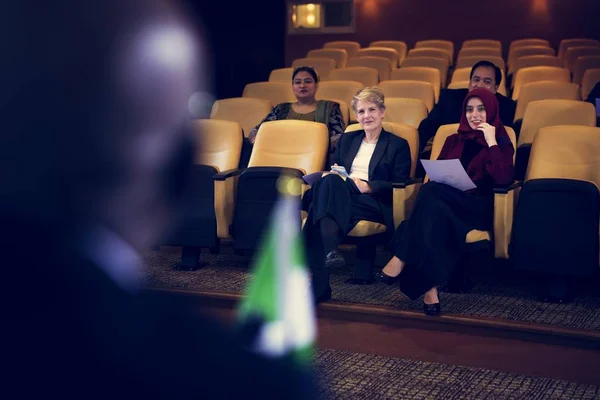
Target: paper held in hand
[[449, 172]]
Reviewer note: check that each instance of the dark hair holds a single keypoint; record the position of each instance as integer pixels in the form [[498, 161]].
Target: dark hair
[[310, 70], [488, 64]]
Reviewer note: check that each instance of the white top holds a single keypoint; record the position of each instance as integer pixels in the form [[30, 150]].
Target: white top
[[360, 165]]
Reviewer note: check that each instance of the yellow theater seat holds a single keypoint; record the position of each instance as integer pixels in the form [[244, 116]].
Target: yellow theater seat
[[350, 46], [430, 52], [441, 64], [410, 90], [385, 52], [536, 61], [536, 74], [439, 44], [590, 78], [365, 75], [583, 64], [424, 74], [340, 56], [281, 75], [246, 111], [398, 45], [545, 90], [381, 64], [342, 89], [275, 92], [405, 111], [322, 66]]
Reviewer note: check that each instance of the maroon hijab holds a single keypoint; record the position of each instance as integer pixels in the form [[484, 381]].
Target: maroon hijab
[[454, 145]]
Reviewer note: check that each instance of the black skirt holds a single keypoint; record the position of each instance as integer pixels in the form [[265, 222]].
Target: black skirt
[[432, 241]]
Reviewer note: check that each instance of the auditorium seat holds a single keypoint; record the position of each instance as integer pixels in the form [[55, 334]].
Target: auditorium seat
[[322, 66], [398, 45], [439, 44], [542, 113], [209, 203], [340, 56], [535, 61], [381, 64], [468, 62], [440, 64], [350, 46], [479, 52], [246, 111], [385, 52], [424, 74], [565, 44], [411, 90], [536, 74], [275, 92], [343, 90], [465, 85], [515, 44], [556, 224], [430, 52], [590, 78], [573, 53], [405, 111], [583, 64], [545, 90], [365, 75], [482, 43], [281, 75], [528, 51]]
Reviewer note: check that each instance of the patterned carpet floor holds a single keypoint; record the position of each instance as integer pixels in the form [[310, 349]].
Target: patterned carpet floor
[[346, 375], [496, 294]]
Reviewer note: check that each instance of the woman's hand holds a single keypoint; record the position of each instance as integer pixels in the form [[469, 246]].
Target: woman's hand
[[489, 133], [362, 185]]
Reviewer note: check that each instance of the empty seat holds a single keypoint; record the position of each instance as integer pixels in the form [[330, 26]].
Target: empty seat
[[456, 84], [590, 78], [246, 111], [393, 44], [350, 46], [535, 61], [275, 92], [536, 74], [343, 90], [480, 52], [528, 42], [582, 64], [440, 44], [468, 62], [430, 52], [405, 111], [527, 51], [433, 62], [365, 75], [385, 52], [565, 44], [381, 64], [573, 53], [545, 90], [281, 75], [340, 56], [322, 66], [410, 89], [481, 43], [424, 74]]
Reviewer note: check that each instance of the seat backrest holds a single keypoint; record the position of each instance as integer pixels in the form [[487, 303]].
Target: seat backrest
[[322, 66], [400, 47], [545, 90], [440, 64], [406, 132], [405, 111], [350, 46], [541, 113], [482, 43], [575, 52], [528, 51], [385, 52], [220, 143], [275, 92], [411, 90], [535, 61], [430, 52], [515, 44], [445, 131], [590, 78], [381, 64], [480, 52], [292, 144], [566, 152], [281, 75], [340, 56], [565, 44], [582, 64], [365, 75], [536, 74], [344, 107], [423, 74], [436, 43], [246, 111], [455, 84], [343, 90], [468, 62]]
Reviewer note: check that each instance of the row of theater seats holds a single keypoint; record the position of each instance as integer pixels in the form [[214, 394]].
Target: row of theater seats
[[547, 221]]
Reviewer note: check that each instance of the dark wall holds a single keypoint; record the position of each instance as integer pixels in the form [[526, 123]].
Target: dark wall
[[246, 40], [458, 20]]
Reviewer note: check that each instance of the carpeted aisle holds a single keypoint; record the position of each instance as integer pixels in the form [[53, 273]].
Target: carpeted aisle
[[496, 294], [345, 375]]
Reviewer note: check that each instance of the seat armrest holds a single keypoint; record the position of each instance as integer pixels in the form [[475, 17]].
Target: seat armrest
[[402, 185], [221, 176], [404, 196], [505, 203]]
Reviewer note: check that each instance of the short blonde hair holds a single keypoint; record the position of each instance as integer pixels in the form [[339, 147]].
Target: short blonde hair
[[371, 94]]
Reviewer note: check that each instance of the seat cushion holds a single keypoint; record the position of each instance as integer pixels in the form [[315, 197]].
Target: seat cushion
[[367, 228]]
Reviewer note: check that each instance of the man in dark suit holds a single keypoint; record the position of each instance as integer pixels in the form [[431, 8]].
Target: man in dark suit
[[95, 155], [448, 109]]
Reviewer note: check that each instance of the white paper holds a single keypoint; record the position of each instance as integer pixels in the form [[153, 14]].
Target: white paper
[[449, 172]]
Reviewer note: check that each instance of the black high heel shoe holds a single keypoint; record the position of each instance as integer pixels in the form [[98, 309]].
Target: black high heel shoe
[[385, 278], [432, 310]]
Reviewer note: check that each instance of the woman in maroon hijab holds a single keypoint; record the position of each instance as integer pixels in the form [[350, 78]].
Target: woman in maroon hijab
[[429, 245]]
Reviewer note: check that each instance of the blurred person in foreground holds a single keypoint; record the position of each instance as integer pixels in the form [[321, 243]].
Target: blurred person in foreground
[[95, 156]]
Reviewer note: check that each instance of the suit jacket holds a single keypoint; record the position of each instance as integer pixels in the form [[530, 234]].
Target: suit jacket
[[449, 109], [390, 163], [69, 325]]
